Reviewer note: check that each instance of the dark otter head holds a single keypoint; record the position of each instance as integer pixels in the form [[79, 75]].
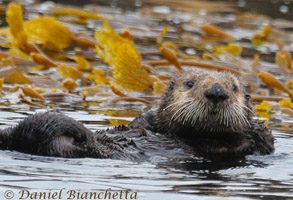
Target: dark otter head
[[205, 102]]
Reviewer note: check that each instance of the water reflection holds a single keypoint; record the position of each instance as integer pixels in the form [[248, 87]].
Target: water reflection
[[272, 8]]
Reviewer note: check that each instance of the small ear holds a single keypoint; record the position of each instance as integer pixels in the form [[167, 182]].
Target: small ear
[[247, 97]]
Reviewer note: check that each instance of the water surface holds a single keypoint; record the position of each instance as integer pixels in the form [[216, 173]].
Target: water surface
[[253, 177]]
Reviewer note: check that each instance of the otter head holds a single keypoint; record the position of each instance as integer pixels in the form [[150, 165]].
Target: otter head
[[205, 102]]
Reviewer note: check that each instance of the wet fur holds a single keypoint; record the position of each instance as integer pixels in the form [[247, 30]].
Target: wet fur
[[230, 131], [183, 131], [54, 134]]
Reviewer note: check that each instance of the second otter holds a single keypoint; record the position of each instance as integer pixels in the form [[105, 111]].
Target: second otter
[[203, 113]]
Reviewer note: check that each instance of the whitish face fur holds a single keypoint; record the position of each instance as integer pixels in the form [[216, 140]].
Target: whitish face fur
[[206, 101]]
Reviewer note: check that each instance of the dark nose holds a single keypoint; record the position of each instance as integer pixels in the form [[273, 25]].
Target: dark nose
[[216, 94]]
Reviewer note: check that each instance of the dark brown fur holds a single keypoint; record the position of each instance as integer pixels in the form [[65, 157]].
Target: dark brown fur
[[210, 135], [181, 133]]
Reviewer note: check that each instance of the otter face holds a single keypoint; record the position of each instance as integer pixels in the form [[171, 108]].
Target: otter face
[[207, 101]]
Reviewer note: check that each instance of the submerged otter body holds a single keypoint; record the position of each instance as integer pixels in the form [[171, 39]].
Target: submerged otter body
[[201, 114]]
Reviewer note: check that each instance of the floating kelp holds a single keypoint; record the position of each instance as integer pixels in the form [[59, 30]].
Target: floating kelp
[[120, 53], [116, 63]]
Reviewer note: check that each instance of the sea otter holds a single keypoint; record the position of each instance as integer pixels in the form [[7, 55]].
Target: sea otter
[[206, 114]]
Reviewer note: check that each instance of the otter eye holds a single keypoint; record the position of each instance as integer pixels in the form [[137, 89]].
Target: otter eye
[[247, 97], [172, 83], [189, 84], [234, 88]]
